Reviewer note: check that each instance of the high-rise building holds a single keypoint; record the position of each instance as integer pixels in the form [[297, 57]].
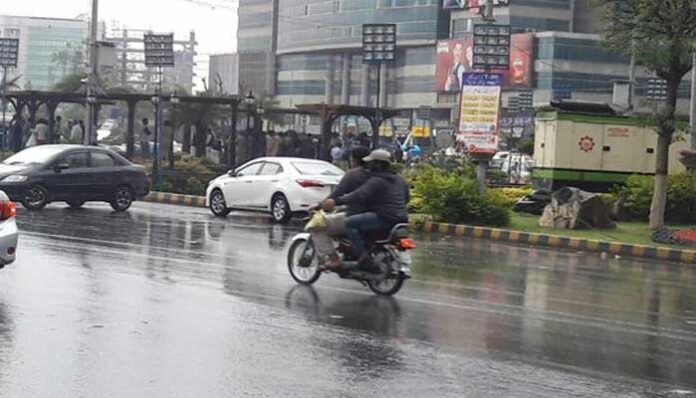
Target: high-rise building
[[309, 51], [49, 48], [130, 71], [223, 73]]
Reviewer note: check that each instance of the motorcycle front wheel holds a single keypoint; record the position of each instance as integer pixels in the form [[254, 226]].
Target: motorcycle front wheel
[[303, 262], [389, 266]]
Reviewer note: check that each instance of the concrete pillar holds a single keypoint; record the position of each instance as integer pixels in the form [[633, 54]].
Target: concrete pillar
[[329, 81], [365, 86], [345, 80], [383, 86], [130, 137]]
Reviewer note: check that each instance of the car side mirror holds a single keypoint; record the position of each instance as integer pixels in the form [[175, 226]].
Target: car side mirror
[[60, 167], [232, 173]]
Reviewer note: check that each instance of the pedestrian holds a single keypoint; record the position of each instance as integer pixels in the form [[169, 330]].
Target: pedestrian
[[145, 134], [272, 144], [42, 132], [364, 140], [337, 154], [282, 144], [57, 130], [83, 131], [75, 132]]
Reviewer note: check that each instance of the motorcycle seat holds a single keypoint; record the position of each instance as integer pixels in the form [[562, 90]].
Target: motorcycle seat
[[399, 231]]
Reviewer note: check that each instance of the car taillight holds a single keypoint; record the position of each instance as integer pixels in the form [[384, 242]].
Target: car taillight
[[310, 184], [407, 244], [7, 210]]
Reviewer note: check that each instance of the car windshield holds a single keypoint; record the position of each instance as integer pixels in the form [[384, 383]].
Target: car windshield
[[34, 155], [316, 168]]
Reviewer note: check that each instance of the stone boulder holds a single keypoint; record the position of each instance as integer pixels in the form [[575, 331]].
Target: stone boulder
[[688, 158], [572, 208]]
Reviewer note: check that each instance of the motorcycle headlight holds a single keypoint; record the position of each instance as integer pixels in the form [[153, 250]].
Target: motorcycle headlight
[[15, 178]]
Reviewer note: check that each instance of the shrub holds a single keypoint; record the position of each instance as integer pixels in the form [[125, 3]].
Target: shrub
[[636, 197], [508, 197], [453, 198]]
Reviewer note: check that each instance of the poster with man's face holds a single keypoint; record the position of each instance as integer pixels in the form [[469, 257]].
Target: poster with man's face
[[454, 58]]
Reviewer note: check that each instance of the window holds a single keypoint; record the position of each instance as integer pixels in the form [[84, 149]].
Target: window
[[317, 168], [100, 159], [250, 170], [76, 160], [271, 169]]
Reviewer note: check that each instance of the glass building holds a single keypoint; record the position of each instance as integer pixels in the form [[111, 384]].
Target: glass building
[[49, 49]]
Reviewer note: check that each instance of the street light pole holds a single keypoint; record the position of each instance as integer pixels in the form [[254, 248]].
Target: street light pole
[[4, 106], [250, 101], [175, 101], [692, 110], [93, 73]]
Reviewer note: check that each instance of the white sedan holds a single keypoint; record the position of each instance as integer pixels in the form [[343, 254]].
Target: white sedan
[[8, 230], [279, 185]]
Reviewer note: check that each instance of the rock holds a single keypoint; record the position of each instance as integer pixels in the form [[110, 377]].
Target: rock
[[688, 158], [572, 208]]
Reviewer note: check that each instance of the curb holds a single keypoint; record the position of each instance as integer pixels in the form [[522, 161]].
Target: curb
[[499, 235], [558, 242], [175, 199]]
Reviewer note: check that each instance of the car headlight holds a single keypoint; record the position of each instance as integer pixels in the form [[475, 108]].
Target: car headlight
[[15, 178]]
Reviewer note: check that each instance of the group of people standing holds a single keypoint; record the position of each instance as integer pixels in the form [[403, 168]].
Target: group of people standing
[[22, 134]]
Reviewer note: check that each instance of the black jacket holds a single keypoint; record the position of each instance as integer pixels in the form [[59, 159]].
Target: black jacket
[[353, 180], [385, 193]]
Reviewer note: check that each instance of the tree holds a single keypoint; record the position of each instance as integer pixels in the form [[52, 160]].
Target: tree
[[71, 83], [660, 35], [200, 115]]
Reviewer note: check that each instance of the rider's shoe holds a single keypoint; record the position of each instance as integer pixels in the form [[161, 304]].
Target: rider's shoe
[[367, 265], [333, 263]]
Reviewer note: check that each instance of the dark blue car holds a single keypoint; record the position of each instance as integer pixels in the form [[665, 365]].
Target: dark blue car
[[74, 174]]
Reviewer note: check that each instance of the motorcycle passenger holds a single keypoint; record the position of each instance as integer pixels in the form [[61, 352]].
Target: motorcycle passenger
[[354, 178], [385, 196]]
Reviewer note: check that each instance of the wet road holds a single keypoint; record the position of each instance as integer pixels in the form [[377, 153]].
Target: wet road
[[169, 301]]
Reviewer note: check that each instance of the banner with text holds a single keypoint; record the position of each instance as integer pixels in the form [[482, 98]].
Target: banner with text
[[479, 112]]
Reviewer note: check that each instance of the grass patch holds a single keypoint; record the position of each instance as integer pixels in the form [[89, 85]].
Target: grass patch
[[626, 232]]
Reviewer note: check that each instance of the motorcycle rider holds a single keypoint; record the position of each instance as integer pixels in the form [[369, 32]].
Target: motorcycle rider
[[385, 196]]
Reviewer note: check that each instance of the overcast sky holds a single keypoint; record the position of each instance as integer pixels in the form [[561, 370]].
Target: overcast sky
[[215, 27]]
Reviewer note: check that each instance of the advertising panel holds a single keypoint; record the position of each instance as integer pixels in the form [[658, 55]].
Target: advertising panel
[[479, 112], [455, 58]]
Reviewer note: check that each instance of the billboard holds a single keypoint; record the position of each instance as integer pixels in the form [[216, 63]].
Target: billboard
[[479, 112], [455, 58]]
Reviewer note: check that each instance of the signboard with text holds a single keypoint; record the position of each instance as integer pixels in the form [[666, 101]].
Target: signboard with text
[[479, 112]]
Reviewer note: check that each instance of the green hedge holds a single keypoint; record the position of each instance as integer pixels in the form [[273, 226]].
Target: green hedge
[[452, 197], [636, 197]]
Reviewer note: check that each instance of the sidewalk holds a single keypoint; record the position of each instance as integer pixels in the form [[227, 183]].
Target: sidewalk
[[501, 235]]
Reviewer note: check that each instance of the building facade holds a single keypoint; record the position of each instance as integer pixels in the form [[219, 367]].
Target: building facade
[[223, 72], [49, 49], [309, 51]]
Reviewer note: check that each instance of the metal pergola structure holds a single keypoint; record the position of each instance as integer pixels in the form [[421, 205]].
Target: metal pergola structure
[[32, 101]]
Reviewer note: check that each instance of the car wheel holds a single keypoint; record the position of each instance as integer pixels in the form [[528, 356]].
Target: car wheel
[[36, 199], [280, 209], [218, 206], [75, 204], [123, 198]]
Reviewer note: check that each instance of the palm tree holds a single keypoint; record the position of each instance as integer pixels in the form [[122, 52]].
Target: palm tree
[[11, 83]]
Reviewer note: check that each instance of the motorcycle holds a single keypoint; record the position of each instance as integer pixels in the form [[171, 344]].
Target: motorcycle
[[390, 252]]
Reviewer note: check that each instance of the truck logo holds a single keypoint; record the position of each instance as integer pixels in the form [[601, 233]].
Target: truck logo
[[587, 144]]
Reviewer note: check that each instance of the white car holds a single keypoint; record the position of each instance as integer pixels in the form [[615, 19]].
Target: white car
[[9, 234], [279, 185]]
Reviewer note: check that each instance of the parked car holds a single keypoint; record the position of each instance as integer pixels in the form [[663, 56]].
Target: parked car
[[73, 174], [279, 185], [8, 230]]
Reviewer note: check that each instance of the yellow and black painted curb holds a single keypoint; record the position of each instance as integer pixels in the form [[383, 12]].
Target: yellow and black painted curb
[[560, 242], [500, 235], [176, 199]]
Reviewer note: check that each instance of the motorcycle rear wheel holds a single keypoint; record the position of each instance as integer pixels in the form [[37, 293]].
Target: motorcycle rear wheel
[[395, 279], [303, 274]]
